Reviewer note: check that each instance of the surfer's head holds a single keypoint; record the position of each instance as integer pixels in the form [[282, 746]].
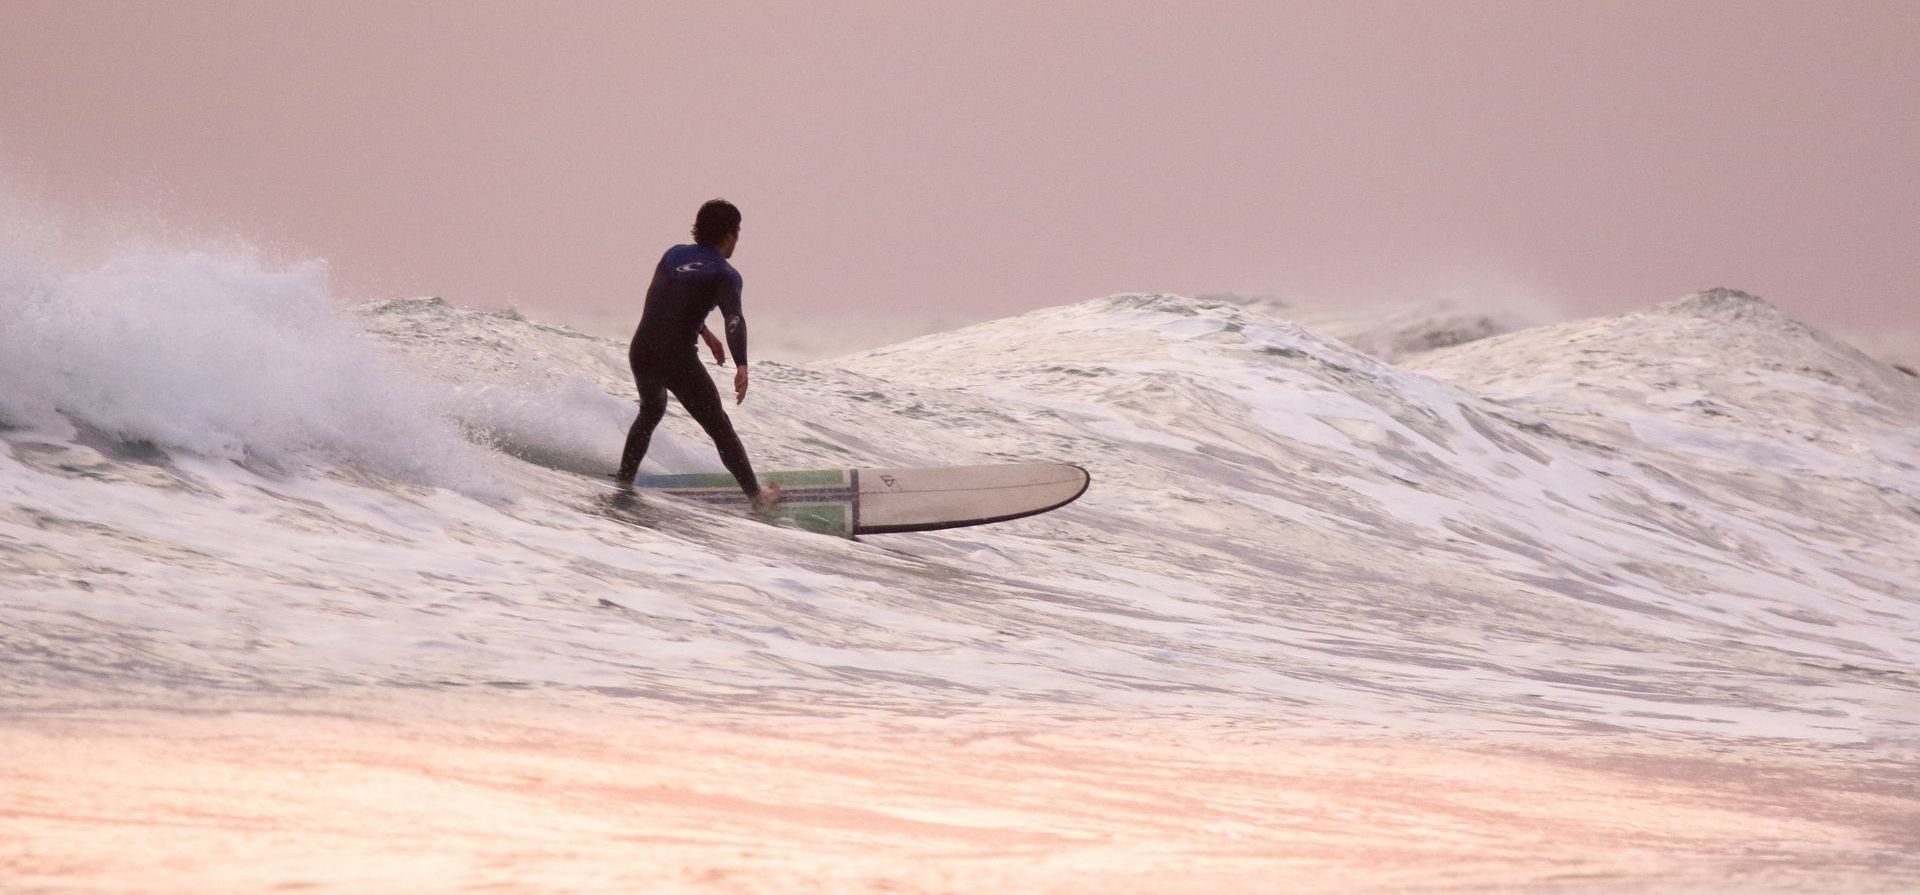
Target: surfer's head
[[717, 225]]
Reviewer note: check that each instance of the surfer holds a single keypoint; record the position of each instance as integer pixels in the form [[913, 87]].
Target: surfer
[[688, 283]]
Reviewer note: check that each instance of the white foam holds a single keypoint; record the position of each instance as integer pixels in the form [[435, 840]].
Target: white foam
[[1280, 528], [220, 356]]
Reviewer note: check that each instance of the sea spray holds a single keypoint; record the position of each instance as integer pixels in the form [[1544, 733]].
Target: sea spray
[[218, 355]]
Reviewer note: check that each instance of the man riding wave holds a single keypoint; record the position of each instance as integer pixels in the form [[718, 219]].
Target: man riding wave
[[688, 284]]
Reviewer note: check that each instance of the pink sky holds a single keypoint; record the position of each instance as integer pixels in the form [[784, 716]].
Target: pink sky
[[975, 159]]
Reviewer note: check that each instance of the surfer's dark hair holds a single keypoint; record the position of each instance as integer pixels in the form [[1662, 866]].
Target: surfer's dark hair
[[717, 220]]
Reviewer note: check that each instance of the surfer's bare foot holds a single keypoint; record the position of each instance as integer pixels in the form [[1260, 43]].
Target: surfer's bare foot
[[769, 496], [623, 482]]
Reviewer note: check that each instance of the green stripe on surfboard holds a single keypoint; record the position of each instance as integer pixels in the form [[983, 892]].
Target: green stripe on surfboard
[[823, 518], [819, 500]]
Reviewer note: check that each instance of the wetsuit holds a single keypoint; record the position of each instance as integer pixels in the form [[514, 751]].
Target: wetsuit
[[688, 283]]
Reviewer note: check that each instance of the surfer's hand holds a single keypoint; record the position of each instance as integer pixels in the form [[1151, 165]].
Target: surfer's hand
[[739, 384], [714, 345]]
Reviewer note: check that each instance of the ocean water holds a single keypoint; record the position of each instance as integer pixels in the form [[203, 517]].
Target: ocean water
[[1621, 604]]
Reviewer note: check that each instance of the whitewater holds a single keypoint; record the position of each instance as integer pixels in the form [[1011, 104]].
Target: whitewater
[[296, 594]]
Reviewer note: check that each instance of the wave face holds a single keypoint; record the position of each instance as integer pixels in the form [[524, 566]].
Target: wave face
[[1700, 520]]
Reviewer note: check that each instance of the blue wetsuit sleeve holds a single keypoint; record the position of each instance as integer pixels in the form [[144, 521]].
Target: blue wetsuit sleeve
[[729, 304]]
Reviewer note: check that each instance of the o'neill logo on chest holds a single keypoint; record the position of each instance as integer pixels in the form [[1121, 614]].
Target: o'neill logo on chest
[[690, 267]]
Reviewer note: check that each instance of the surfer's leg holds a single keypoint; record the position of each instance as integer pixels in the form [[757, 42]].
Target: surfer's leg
[[697, 394], [653, 406]]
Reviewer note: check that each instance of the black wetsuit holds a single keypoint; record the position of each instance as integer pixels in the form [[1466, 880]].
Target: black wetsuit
[[688, 283]]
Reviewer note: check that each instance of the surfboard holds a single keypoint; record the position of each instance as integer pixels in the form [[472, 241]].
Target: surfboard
[[849, 502]]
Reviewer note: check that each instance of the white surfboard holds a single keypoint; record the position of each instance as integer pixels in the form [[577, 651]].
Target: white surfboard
[[850, 502]]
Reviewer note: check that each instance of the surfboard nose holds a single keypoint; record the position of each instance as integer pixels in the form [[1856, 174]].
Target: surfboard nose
[[899, 500]]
